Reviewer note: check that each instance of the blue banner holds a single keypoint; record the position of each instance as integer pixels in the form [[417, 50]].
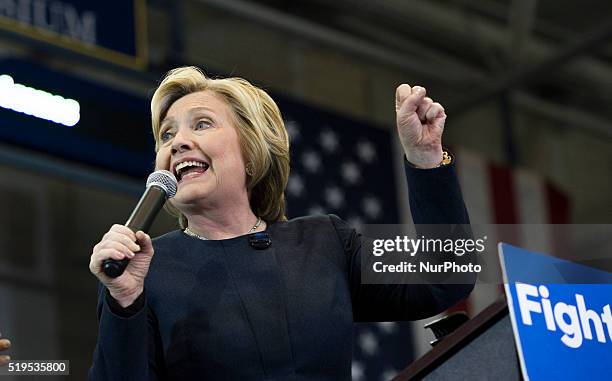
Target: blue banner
[[113, 31], [563, 330]]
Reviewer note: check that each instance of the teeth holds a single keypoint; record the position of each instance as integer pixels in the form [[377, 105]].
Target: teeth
[[185, 164]]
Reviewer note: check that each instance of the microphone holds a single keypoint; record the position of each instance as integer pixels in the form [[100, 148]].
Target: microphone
[[161, 185]]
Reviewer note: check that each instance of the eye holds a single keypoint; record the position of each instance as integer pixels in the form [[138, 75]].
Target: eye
[[202, 125], [165, 136]]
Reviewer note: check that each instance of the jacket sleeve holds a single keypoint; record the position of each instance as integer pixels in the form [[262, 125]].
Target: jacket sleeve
[[129, 346], [435, 198]]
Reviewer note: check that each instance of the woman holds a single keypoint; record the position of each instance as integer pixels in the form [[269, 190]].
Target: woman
[[208, 305]]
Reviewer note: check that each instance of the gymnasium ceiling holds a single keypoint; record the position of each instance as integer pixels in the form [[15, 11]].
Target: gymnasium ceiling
[[553, 56]]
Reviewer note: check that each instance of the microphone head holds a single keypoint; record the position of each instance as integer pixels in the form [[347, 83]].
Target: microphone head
[[165, 180]]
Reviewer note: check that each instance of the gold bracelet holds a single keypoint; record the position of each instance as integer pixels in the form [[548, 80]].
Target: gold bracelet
[[446, 159]]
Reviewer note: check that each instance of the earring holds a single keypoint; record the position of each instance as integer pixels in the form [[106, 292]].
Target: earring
[[249, 169]]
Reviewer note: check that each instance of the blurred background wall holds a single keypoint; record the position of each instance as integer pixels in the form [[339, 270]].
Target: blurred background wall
[[527, 86]]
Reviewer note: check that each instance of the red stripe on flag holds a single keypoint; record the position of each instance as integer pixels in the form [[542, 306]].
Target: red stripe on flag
[[505, 208], [558, 206], [504, 199], [558, 214]]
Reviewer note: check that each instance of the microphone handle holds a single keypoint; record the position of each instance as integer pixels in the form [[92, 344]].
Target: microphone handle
[[142, 218]]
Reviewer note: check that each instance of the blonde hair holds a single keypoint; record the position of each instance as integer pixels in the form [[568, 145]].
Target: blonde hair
[[261, 132]]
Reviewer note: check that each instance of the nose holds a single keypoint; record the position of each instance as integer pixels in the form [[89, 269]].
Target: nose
[[181, 142]]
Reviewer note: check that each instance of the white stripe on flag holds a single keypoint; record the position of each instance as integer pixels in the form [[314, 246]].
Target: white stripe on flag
[[530, 191], [476, 188]]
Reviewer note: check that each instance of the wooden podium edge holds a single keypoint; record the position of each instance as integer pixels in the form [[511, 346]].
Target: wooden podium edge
[[454, 342]]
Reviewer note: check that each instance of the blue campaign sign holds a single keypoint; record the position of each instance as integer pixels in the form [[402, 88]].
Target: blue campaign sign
[[113, 31], [563, 329]]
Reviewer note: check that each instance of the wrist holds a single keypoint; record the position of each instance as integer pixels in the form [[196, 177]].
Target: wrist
[[429, 160], [126, 300]]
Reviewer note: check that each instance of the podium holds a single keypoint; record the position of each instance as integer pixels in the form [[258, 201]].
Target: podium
[[481, 349]]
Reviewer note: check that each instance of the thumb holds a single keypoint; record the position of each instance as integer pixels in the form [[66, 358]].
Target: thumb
[[143, 239], [402, 92]]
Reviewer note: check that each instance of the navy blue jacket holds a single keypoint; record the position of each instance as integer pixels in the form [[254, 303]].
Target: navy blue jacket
[[221, 310]]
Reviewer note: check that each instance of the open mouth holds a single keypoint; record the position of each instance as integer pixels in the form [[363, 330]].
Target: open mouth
[[189, 168]]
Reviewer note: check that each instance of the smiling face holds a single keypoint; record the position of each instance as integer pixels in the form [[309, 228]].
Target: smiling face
[[198, 142]]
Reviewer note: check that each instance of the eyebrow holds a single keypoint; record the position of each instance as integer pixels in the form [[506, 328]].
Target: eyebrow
[[194, 110], [164, 122], [200, 108]]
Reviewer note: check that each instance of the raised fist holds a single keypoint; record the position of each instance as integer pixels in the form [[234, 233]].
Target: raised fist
[[420, 123]]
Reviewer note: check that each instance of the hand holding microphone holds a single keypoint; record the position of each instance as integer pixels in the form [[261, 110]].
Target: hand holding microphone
[[121, 259], [4, 345]]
